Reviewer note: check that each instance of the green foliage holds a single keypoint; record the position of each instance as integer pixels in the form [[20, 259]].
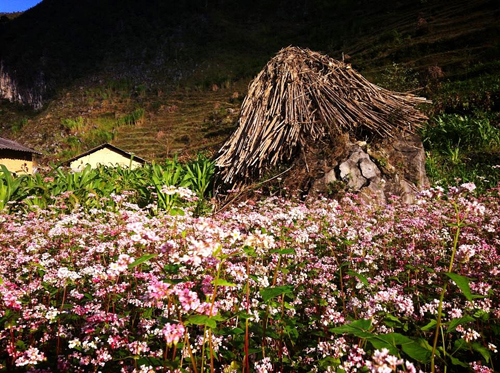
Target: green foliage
[[400, 78], [136, 117], [9, 187], [77, 124], [170, 186], [468, 95], [463, 148], [18, 125], [450, 131]]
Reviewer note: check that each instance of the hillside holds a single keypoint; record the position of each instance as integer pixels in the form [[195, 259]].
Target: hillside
[[159, 79]]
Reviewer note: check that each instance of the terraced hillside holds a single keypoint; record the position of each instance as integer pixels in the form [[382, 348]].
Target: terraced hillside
[[138, 106], [151, 125], [185, 123], [455, 36]]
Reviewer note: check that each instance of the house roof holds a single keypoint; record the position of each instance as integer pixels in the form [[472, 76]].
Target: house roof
[[12, 145], [111, 147]]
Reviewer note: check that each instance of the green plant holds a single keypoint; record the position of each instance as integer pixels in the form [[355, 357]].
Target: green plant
[[18, 125], [399, 78], [77, 124], [9, 187], [136, 117], [449, 131]]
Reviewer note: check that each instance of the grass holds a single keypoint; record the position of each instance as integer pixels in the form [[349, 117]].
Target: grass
[[463, 148]]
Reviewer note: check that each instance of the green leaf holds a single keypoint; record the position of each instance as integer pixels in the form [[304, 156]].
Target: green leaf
[[329, 362], [417, 352], [379, 343], [141, 260], [463, 283], [250, 251], [456, 322], [482, 350], [202, 320], [391, 320], [270, 293], [455, 361], [431, 325], [359, 276], [222, 282], [283, 252], [397, 338], [358, 328]]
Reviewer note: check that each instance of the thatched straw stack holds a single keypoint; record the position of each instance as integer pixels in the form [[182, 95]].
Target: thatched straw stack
[[299, 97]]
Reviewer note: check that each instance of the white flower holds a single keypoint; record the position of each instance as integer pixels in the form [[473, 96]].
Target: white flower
[[469, 186], [74, 343], [51, 314]]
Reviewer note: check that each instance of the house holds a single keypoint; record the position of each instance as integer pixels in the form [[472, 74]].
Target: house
[[106, 155], [16, 157]]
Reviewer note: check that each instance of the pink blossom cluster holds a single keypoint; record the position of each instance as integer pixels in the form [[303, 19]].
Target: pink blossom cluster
[[270, 286]]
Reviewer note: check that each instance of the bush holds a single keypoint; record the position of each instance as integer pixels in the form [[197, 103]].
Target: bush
[[450, 131]]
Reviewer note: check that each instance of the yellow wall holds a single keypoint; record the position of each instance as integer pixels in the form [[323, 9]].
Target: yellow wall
[[105, 157], [19, 166]]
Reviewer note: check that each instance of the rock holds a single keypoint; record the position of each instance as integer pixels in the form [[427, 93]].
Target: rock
[[351, 174], [369, 169], [377, 170], [358, 154], [330, 177]]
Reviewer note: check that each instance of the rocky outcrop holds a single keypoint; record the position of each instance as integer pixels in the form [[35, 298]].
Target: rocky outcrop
[[378, 171], [11, 90]]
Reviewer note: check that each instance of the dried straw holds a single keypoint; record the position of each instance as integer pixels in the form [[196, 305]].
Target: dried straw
[[299, 97]]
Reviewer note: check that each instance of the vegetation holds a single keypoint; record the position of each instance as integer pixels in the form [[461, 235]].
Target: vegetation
[[273, 286], [113, 269], [146, 186]]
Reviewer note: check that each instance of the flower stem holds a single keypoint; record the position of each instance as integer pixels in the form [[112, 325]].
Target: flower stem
[[440, 308]]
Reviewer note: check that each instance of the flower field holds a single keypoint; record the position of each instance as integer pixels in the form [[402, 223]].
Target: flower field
[[272, 286]]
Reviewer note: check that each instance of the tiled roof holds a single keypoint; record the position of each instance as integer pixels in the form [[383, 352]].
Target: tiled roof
[[12, 145]]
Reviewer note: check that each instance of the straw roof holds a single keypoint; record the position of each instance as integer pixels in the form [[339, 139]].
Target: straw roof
[[300, 97]]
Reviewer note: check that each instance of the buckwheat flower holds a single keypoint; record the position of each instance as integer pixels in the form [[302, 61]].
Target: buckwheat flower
[[205, 308], [30, 357], [259, 241], [158, 290], [186, 193], [102, 357], [137, 347], [492, 347], [51, 314], [145, 369], [455, 313], [74, 343], [64, 273], [76, 294], [89, 345], [169, 190], [470, 335], [477, 367], [264, 365], [469, 186], [188, 299], [410, 368], [465, 252], [173, 333]]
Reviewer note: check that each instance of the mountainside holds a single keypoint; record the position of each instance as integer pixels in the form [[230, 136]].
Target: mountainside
[[159, 78]]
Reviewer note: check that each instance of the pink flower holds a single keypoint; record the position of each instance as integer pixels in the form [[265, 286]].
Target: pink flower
[[173, 333], [30, 357]]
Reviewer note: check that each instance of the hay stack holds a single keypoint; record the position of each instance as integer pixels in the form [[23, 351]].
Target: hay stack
[[299, 97]]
